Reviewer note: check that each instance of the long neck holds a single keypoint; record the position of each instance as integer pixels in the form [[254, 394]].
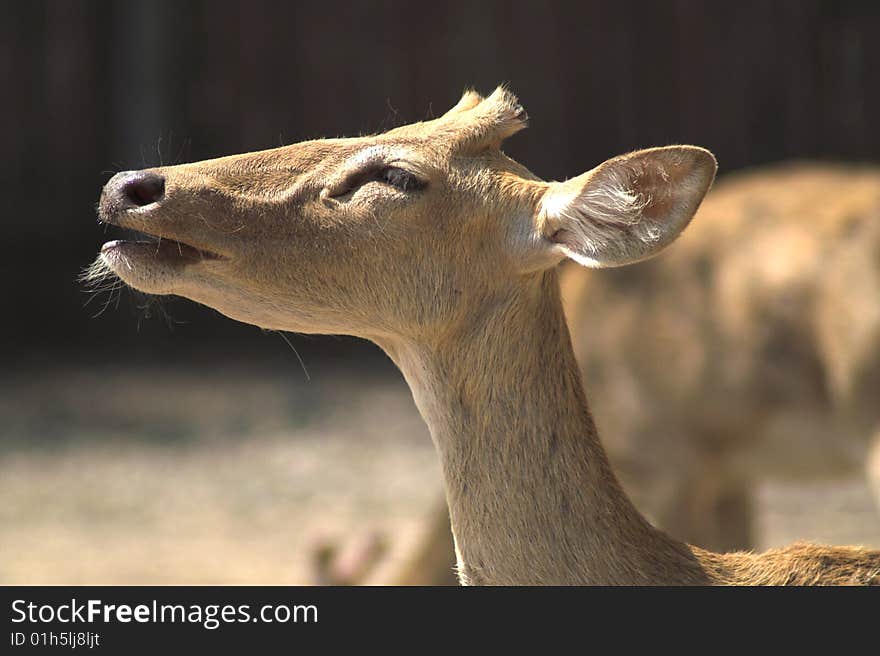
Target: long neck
[[531, 494]]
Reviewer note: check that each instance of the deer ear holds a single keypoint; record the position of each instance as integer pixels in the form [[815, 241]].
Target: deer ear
[[628, 208]]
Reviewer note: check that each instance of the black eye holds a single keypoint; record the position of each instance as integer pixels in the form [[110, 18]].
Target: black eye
[[395, 176], [400, 178]]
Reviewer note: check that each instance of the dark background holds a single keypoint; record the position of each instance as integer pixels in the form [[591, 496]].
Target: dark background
[[91, 88]]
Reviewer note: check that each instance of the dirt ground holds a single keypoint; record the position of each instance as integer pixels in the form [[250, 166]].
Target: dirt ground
[[116, 474]]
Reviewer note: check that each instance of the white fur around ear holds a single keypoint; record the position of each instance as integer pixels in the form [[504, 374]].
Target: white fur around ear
[[628, 208]]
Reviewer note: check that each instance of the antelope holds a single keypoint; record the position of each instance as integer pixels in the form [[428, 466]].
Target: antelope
[[776, 344], [436, 246]]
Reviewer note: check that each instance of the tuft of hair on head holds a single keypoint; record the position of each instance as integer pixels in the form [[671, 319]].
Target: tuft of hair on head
[[469, 99], [476, 123]]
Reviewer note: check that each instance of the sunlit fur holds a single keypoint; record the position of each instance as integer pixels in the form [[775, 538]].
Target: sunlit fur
[[625, 209], [457, 283]]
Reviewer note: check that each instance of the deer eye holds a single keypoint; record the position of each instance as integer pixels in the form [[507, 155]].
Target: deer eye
[[400, 178], [394, 176]]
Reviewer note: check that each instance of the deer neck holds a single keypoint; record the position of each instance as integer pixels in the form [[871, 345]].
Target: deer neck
[[531, 494]]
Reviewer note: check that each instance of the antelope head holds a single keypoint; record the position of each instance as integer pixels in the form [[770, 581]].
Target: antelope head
[[404, 233]]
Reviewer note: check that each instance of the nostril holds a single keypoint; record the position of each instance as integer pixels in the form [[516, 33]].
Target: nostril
[[145, 188]]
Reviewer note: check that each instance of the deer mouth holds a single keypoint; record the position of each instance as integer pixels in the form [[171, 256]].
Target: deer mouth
[[145, 247]]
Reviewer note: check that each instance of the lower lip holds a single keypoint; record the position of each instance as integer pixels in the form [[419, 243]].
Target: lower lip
[[112, 245]]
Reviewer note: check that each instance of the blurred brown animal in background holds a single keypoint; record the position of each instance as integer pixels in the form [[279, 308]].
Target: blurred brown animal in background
[[368, 559], [769, 308], [432, 243]]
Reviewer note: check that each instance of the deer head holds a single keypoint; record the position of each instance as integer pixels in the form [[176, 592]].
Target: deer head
[[399, 234]]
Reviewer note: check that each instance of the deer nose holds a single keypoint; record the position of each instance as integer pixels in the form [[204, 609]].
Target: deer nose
[[133, 189]]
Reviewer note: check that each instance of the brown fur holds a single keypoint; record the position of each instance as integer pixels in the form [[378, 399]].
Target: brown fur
[[769, 304], [457, 283]]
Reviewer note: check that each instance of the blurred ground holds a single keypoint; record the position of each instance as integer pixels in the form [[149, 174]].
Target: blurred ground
[[202, 473]]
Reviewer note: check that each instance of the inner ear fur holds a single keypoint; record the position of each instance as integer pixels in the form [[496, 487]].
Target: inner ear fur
[[629, 207]]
